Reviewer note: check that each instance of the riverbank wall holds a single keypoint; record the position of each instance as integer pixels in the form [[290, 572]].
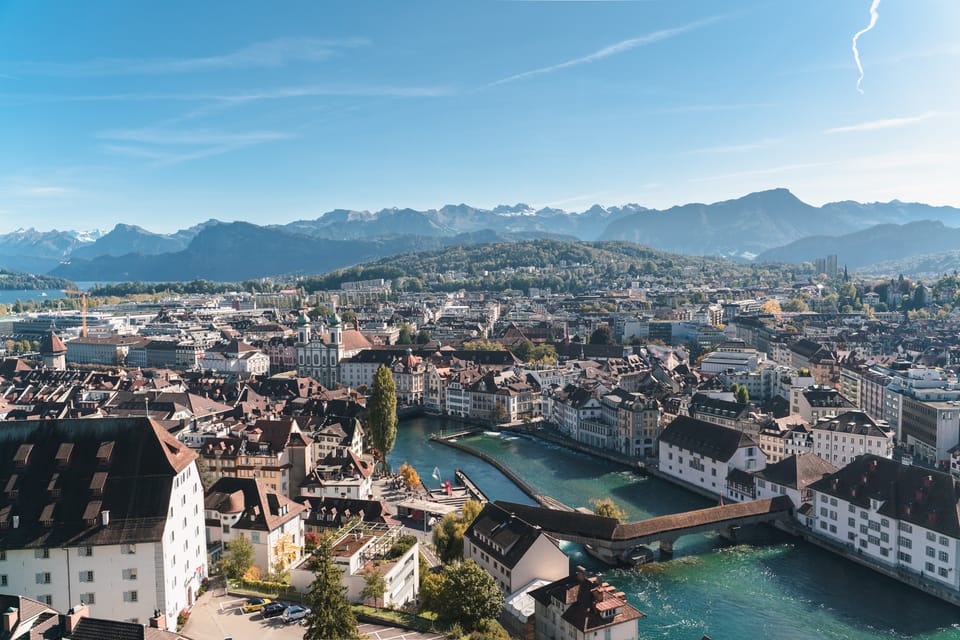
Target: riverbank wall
[[544, 501], [547, 436]]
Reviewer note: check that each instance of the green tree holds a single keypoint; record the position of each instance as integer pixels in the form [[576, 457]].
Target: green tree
[[795, 305], [374, 586], [469, 595], [431, 586], [523, 349], [422, 337], [543, 354], [607, 508], [742, 395], [406, 334], [601, 335], [482, 345], [448, 533], [330, 614], [238, 558], [382, 412]]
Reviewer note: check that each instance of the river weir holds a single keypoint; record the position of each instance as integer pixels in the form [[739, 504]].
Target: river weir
[[780, 588]]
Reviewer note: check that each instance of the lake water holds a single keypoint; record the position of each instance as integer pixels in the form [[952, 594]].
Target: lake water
[[782, 588], [10, 297]]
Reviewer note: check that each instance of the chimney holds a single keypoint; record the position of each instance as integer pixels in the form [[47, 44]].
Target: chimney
[[70, 619], [10, 618], [581, 573], [158, 621], [104, 517], [16, 522]]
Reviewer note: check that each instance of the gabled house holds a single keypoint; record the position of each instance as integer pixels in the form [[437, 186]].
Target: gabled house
[[583, 608], [511, 550], [792, 477], [245, 508], [704, 455], [340, 475]]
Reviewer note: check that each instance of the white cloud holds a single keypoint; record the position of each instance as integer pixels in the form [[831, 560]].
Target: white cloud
[[266, 54], [192, 137], [606, 52], [887, 123], [170, 146]]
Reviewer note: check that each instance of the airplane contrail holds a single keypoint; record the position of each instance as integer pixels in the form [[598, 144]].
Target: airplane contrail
[[856, 54]]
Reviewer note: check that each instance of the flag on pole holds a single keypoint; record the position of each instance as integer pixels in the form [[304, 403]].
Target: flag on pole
[[436, 473]]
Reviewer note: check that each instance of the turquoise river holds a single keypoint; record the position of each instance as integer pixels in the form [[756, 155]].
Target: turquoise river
[[776, 588]]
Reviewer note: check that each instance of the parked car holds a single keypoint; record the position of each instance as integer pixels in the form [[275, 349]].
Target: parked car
[[273, 609], [255, 604], [295, 612]]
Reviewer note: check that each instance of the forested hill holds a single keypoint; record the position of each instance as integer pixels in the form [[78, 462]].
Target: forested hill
[[559, 265], [13, 281]]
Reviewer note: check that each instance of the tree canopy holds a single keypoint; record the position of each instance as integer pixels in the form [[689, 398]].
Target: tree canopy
[[602, 335], [382, 412], [238, 558], [468, 595], [330, 613], [448, 533], [607, 508]]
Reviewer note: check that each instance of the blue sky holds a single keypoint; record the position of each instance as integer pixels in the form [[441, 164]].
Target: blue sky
[[167, 114]]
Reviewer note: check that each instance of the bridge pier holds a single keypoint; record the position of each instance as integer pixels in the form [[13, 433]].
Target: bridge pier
[[666, 549], [729, 533]]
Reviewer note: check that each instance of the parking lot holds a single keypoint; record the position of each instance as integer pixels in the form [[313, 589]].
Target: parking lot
[[217, 615]]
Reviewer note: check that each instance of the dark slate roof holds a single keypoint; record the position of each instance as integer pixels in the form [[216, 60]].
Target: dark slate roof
[[797, 471], [808, 348], [707, 439], [703, 403], [100, 629], [55, 469], [505, 536], [912, 494], [818, 397], [586, 525], [854, 422], [740, 477]]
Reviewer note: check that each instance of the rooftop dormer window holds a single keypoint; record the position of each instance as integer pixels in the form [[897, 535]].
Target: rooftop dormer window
[[64, 453]]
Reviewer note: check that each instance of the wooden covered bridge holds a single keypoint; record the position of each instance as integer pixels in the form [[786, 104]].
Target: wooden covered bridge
[[613, 541]]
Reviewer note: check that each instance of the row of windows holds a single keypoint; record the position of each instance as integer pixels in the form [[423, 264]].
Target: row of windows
[[83, 552], [43, 577]]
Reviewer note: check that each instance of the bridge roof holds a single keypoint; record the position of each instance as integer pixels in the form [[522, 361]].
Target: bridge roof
[[584, 525], [701, 517], [570, 522]]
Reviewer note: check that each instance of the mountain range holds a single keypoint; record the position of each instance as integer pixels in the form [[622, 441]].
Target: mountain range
[[769, 225]]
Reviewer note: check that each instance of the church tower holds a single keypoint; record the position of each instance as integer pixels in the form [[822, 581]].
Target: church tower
[[303, 342], [53, 352]]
